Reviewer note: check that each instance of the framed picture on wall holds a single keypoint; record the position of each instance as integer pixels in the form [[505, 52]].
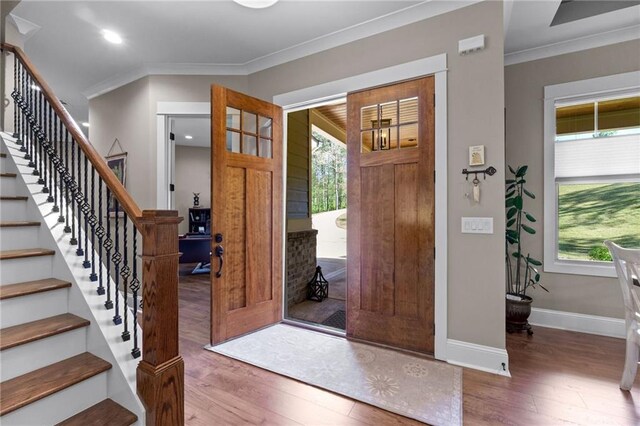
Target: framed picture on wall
[[118, 165]]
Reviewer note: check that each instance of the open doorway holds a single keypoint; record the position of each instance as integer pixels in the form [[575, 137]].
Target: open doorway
[[317, 216], [190, 192]]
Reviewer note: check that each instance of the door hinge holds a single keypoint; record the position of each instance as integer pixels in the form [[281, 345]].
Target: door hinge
[[434, 99], [434, 328], [434, 176], [172, 187], [434, 252], [172, 136]]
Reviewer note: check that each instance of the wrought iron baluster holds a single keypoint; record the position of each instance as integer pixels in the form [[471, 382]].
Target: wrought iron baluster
[[21, 104], [92, 222], [14, 93], [29, 113], [60, 166], [100, 234], [78, 199], [135, 287], [86, 209], [116, 258], [72, 192], [67, 180], [108, 245], [52, 148], [125, 272], [41, 128], [35, 118]]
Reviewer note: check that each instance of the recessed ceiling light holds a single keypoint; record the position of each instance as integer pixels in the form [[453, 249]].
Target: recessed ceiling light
[[85, 124], [188, 137], [256, 4], [35, 87], [111, 37]]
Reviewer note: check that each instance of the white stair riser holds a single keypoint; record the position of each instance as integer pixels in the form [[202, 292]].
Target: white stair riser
[[7, 185], [19, 310], [31, 356], [19, 237], [13, 210], [61, 405], [25, 269]]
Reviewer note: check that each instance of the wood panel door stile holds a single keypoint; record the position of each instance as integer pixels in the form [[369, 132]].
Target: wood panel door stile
[[390, 237], [246, 194]]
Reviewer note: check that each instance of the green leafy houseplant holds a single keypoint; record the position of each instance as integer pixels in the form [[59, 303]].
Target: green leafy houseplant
[[522, 271]]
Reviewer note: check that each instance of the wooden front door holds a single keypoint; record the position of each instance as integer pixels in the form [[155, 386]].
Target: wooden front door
[[246, 200], [390, 232]]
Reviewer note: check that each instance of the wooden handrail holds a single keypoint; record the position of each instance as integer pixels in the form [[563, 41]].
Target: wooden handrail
[[115, 186]]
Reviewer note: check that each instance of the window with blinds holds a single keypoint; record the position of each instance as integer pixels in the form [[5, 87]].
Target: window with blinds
[[597, 175]]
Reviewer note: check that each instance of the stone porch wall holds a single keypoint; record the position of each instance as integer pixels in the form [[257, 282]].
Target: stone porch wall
[[301, 264]]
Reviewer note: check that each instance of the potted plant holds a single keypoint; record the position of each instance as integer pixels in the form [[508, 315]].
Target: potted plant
[[522, 271]]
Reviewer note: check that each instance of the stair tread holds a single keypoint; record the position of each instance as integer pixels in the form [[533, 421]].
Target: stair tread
[[23, 390], [13, 198], [10, 175], [17, 223], [24, 333], [18, 254], [31, 287], [104, 413]]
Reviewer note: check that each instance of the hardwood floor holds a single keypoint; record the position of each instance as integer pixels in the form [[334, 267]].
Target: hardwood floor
[[558, 377]]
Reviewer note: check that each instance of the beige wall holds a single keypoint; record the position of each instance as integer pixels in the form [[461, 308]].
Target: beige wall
[[475, 116], [524, 92], [193, 174], [129, 113], [124, 114], [475, 101]]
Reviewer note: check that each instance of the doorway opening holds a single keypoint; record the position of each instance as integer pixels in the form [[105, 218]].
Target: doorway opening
[[317, 216], [189, 174]]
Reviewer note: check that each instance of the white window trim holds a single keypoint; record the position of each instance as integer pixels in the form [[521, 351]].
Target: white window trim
[[592, 87]]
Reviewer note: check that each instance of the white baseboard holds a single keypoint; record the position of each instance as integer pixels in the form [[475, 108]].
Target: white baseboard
[[478, 357], [603, 326]]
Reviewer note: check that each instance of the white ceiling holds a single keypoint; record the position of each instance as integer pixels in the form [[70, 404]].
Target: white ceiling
[[197, 127], [221, 37]]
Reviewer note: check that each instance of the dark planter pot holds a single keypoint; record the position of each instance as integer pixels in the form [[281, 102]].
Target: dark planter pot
[[518, 312]]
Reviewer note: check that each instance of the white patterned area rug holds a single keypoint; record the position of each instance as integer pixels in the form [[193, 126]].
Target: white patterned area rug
[[428, 391]]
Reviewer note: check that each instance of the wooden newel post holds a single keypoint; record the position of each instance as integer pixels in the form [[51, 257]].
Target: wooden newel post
[[160, 374]]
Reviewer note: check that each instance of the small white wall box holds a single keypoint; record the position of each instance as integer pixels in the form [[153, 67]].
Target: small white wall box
[[477, 225], [472, 44]]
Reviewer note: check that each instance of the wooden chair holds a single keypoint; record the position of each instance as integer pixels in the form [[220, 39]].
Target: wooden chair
[[627, 262]]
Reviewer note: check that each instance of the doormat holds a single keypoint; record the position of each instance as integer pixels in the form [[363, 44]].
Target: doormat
[[425, 390], [337, 320]]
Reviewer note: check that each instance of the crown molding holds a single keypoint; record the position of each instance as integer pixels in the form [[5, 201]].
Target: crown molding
[[575, 45], [415, 13], [409, 15]]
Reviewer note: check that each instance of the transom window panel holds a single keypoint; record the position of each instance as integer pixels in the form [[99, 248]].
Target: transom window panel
[[389, 125], [595, 176], [249, 133], [598, 117]]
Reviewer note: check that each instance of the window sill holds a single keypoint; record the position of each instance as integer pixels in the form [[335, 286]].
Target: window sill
[[577, 267]]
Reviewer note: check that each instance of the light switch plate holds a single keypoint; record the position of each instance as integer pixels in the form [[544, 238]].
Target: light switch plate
[[477, 225]]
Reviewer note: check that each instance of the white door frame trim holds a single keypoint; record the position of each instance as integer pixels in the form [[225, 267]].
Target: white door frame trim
[[164, 110], [327, 92]]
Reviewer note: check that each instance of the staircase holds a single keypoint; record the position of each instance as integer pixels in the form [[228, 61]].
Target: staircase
[[78, 260], [48, 372]]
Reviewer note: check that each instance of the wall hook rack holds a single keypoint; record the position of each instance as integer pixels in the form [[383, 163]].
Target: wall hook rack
[[488, 171]]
